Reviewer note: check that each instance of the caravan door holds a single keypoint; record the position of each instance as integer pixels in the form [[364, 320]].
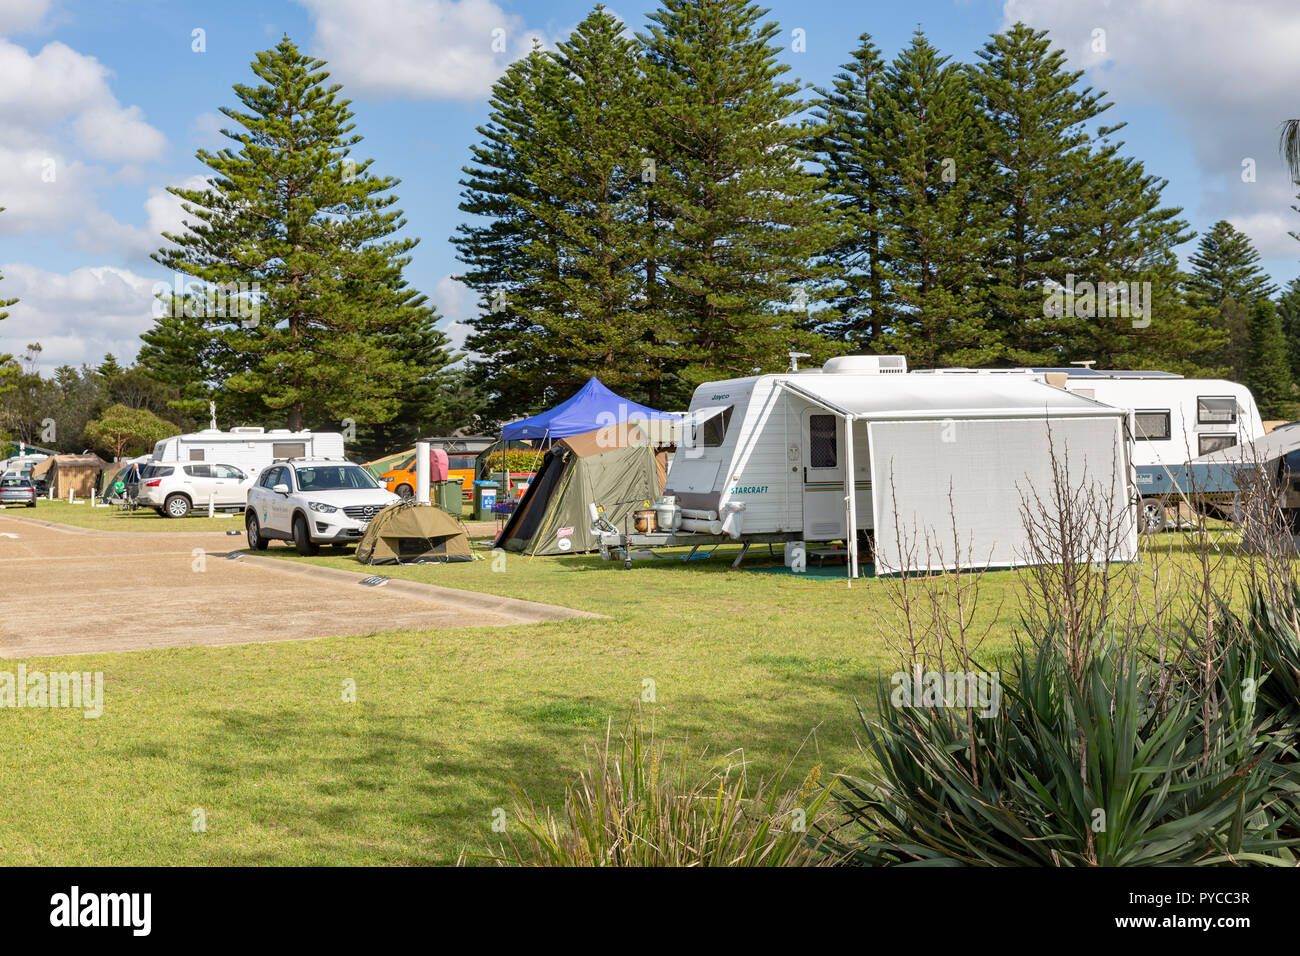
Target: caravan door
[[823, 475]]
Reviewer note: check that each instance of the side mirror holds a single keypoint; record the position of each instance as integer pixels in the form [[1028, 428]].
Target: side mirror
[[281, 489]]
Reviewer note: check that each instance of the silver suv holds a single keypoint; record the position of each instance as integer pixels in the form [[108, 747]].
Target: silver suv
[[175, 490], [312, 501]]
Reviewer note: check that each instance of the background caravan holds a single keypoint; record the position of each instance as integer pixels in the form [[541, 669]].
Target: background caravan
[[1176, 419], [768, 455], [249, 449]]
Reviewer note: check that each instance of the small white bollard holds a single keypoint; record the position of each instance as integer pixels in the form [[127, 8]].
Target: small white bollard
[[92, 497], [69, 496], [212, 505]]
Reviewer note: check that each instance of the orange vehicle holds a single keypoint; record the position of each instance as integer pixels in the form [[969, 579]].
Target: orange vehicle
[[401, 479]]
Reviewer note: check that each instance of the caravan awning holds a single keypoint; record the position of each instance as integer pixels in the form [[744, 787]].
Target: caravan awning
[[1276, 444], [927, 397]]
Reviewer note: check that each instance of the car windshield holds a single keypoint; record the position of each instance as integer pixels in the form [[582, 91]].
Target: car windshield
[[334, 478]]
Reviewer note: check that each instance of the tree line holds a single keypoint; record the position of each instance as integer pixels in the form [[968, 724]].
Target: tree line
[[666, 206]]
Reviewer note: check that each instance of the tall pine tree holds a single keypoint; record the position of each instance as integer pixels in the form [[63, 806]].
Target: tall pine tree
[[572, 133], [743, 218], [1269, 372], [934, 221], [498, 188], [1131, 240], [289, 210], [1226, 277], [1037, 128], [848, 147], [1288, 310], [1226, 266]]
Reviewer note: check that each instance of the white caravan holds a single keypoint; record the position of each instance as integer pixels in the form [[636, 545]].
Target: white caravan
[[250, 449], [1175, 419], [769, 455]]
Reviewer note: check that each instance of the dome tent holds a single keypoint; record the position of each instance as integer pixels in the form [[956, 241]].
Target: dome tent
[[407, 532]]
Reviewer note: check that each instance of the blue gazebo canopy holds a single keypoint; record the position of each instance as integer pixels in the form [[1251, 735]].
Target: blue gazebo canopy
[[592, 406]]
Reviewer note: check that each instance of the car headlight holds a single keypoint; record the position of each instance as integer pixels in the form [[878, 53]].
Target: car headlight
[[321, 507]]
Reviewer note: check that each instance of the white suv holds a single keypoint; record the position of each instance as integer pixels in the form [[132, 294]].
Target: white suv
[[312, 501], [175, 490]]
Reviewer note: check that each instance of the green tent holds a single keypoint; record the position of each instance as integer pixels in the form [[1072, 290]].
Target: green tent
[[381, 465], [554, 516], [406, 532]]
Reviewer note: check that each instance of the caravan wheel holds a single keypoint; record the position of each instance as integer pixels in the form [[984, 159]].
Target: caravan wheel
[[1151, 516]]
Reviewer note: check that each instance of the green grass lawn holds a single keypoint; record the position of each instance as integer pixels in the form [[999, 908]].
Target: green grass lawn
[[445, 722], [113, 519]]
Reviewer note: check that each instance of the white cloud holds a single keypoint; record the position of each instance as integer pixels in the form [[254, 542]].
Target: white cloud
[[78, 316], [46, 193], [427, 49], [1227, 73], [20, 16], [40, 94]]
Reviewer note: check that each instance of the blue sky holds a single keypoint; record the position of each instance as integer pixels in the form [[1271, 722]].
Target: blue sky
[[104, 102]]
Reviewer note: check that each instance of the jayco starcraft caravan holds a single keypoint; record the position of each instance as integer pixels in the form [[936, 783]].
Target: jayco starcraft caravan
[[912, 459]]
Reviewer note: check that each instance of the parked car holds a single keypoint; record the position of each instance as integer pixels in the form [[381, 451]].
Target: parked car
[[401, 479], [17, 491], [312, 502], [175, 490]]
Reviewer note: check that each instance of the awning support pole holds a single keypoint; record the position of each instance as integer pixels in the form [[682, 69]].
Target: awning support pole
[[851, 495]]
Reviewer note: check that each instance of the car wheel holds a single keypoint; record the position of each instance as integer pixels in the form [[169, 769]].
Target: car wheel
[[32, 503], [405, 492], [176, 506], [255, 539], [302, 537]]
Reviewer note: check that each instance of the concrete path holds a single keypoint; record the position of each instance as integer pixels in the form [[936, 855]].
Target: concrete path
[[67, 590]]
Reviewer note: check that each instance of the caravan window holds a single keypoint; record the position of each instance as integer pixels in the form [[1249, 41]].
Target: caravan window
[[1208, 443], [822, 448], [288, 450], [714, 429], [196, 454], [1216, 410], [1151, 425]]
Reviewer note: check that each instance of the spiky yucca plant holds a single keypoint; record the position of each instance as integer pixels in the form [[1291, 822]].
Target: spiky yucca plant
[[1090, 766]]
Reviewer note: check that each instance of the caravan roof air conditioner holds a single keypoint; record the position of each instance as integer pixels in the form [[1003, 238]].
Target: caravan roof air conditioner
[[867, 364]]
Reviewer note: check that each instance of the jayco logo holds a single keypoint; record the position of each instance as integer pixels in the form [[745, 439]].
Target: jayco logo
[[75, 908], [718, 398]]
